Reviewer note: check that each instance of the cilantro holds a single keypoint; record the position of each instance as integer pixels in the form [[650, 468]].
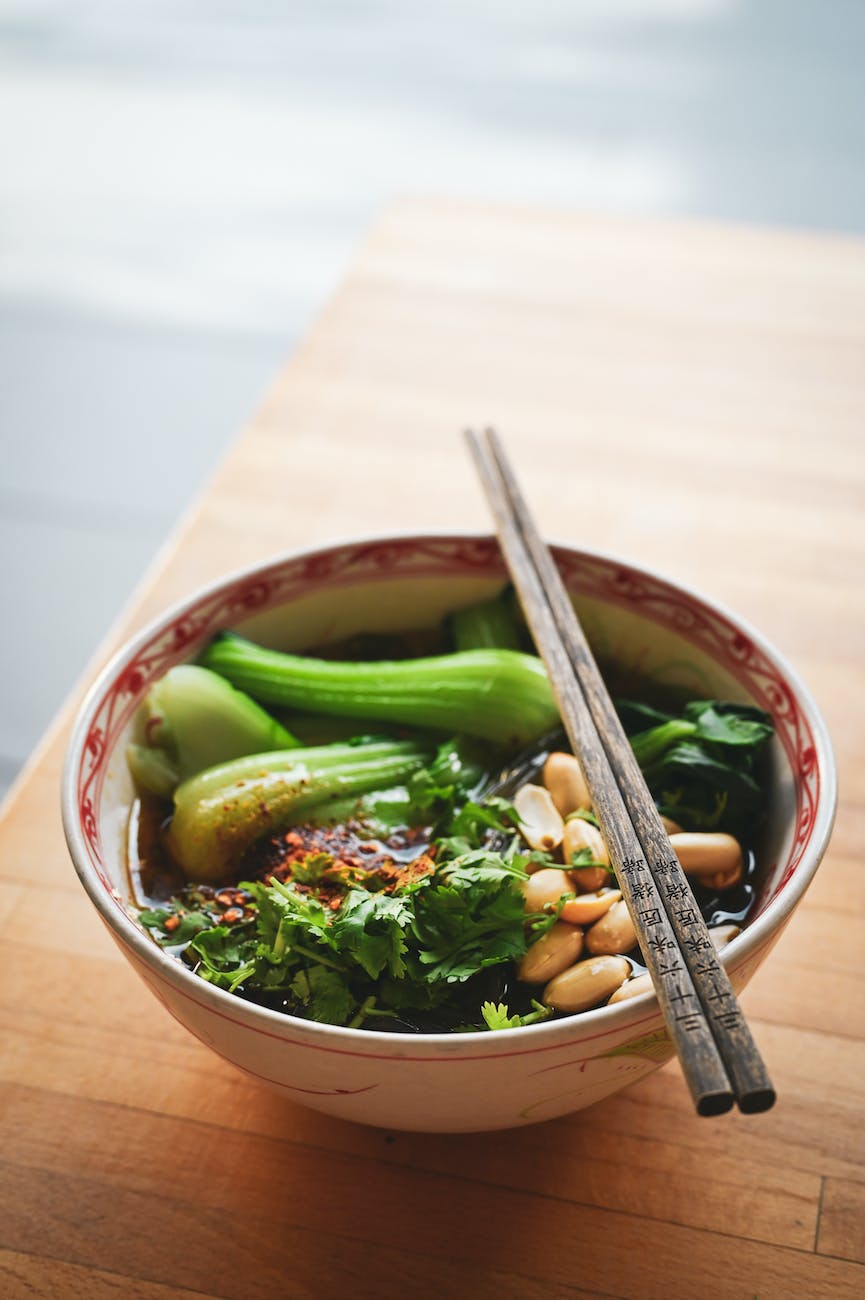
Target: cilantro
[[453, 775], [473, 820], [583, 815], [310, 869], [371, 929], [226, 957], [324, 994], [285, 914], [497, 1015], [472, 917], [583, 858], [536, 858], [162, 920]]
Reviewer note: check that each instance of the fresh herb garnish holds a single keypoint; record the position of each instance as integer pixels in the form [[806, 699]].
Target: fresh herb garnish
[[497, 1015], [583, 858], [377, 954]]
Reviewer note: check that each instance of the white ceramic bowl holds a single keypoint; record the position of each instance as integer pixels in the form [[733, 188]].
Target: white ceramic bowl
[[462, 1081]]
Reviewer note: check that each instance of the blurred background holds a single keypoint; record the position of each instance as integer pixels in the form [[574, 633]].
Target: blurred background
[[182, 183]]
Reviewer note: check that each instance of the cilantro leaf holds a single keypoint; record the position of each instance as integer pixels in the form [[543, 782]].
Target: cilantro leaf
[[174, 924], [455, 772], [371, 928], [226, 957], [583, 815], [497, 1015], [474, 918], [583, 858], [324, 994]]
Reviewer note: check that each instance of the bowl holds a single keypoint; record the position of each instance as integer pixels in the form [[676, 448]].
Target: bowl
[[471, 1081]]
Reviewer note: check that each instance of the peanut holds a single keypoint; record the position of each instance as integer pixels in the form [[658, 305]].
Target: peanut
[[580, 834], [633, 988], [588, 908], [545, 888], [541, 824], [554, 952], [721, 935], [721, 880], [711, 857], [613, 933], [587, 984], [563, 777]]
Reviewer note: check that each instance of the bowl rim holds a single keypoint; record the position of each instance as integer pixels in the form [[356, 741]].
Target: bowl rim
[[760, 933]]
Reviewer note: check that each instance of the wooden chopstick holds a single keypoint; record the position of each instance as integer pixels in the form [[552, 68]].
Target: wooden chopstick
[[719, 1058]]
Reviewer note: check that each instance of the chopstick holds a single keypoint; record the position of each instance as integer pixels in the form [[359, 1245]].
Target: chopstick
[[717, 1053]]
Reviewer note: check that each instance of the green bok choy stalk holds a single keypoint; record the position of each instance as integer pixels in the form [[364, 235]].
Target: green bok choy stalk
[[495, 694], [195, 719], [221, 812], [488, 624]]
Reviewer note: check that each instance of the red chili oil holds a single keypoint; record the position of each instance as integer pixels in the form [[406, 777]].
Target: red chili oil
[[326, 861], [320, 860]]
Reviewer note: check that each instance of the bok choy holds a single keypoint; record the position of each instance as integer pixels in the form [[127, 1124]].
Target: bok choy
[[495, 694]]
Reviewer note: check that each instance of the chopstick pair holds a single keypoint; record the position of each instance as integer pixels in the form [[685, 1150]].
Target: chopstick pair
[[718, 1056]]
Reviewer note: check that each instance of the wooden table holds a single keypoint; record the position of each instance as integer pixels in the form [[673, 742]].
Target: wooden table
[[690, 396]]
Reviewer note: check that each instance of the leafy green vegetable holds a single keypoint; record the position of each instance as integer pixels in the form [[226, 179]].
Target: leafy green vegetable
[[324, 995], [199, 719], [225, 957], [454, 774], [487, 624], [152, 770], [497, 1015], [497, 695], [703, 766], [429, 797], [435, 948], [583, 858], [221, 812], [372, 929], [467, 829], [473, 918], [377, 955], [183, 925], [380, 812], [583, 815]]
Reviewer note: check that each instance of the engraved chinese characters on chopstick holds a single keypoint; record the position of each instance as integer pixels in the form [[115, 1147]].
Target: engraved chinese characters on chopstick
[[718, 1056]]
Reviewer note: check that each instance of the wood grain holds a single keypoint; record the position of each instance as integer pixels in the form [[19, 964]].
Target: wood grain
[[715, 375], [842, 1220]]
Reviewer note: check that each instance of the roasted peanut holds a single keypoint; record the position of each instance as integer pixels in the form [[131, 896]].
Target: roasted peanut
[[563, 777], [580, 834], [721, 880], [721, 935], [545, 888], [541, 824], [587, 984], [554, 952], [585, 909], [613, 933], [714, 858], [632, 988]]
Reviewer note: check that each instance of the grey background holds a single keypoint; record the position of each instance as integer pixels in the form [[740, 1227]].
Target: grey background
[[182, 183]]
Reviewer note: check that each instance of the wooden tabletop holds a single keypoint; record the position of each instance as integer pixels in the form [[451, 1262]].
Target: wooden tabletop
[[690, 396]]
